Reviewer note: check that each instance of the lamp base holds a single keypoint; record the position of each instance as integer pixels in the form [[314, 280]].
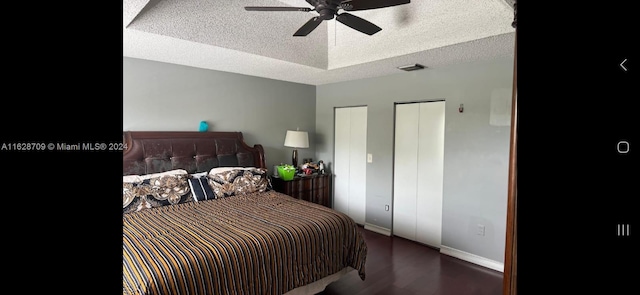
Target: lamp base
[[294, 159]]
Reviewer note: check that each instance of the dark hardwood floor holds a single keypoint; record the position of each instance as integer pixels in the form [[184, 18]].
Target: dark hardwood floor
[[399, 266]]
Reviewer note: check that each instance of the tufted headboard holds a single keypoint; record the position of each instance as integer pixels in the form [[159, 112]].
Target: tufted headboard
[[158, 151]]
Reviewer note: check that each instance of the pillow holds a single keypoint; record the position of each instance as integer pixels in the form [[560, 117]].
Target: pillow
[[131, 179], [239, 182], [198, 175], [160, 174], [155, 190], [217, 170], [200, 189]]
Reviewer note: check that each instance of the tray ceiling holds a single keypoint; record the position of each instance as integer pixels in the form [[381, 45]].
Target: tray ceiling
[[222, 35]]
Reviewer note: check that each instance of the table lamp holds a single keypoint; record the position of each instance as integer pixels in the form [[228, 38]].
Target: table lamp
[[296, 139]]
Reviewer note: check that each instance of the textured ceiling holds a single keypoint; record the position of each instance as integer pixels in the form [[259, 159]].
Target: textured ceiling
[[222, 35]]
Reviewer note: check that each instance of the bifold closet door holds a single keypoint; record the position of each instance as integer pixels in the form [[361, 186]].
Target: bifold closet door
[[350, 156], [418, 172]]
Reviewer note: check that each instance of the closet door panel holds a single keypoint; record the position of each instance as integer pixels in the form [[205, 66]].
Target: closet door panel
[[341, 169], [430, 173], [405, 170], [358, 164]]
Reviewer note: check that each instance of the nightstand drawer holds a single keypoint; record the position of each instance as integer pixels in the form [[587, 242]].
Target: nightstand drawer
[[313, 188]]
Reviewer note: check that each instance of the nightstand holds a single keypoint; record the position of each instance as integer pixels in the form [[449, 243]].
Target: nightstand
[[313, 188]]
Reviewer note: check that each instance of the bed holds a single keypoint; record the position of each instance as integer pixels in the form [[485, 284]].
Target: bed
[[199, 217]]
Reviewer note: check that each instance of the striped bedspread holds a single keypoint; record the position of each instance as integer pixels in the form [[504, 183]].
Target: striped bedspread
[[262, 243]]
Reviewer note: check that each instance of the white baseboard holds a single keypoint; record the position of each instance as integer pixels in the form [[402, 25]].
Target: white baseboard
[[479, 260], [378, 229]]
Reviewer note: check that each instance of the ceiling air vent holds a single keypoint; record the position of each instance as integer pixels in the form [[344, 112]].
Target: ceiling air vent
[[412, 67]]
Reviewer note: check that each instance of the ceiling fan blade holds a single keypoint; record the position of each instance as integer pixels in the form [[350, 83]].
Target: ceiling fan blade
[[353, 5], [272, 8], [308, 27], [357, 23]]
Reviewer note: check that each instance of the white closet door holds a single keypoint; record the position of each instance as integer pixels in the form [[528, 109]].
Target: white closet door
[[405, 170], [341, 163], [350, 162], [430, 173], [358, 164], [418, 172]]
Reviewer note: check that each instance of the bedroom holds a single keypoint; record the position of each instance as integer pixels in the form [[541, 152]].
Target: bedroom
[[174, 92], [68, 55]]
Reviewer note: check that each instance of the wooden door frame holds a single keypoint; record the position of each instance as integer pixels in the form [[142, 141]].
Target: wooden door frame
[[509, 284]]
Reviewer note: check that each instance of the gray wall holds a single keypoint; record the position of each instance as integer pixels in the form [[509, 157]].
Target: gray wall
[[160, 96], [476, 153]]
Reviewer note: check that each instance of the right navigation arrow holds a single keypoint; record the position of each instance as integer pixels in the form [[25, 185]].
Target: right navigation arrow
[[622, 64]]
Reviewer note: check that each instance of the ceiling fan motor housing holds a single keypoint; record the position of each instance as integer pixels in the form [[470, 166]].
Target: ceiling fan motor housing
[[327, 8]]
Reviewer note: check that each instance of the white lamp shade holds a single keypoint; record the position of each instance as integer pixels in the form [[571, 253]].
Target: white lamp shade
[[296, 139]]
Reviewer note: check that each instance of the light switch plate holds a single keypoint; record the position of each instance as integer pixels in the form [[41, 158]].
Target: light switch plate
[[369, 158]]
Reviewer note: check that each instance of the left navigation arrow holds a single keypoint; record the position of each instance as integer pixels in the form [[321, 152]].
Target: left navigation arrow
[[622, 65]]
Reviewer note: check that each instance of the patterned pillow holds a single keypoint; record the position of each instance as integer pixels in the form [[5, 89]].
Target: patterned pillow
[[238, 182], [218, 170], [155, 191]]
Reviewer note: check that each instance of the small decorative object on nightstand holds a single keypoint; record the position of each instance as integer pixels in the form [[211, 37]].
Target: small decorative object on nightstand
[[286, 172], [313, 188], [203, 126]]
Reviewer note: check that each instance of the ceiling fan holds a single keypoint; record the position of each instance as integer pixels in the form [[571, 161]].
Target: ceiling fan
[[329, 8]]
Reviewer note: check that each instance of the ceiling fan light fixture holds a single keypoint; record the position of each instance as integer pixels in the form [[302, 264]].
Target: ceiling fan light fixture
[[412, 67]]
